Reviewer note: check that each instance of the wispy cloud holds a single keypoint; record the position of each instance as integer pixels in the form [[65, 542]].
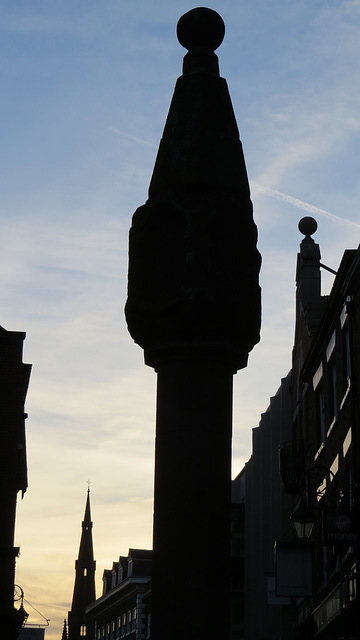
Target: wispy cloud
[[257, 188], [300, 204], [134, 139]]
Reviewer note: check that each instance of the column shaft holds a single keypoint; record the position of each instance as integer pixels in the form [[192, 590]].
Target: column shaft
[[191, 580]]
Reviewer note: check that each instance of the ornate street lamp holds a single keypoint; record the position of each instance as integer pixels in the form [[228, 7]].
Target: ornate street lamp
[[303, 521], [21, 614]]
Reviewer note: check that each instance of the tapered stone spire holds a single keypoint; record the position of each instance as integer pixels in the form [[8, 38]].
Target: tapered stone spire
[[84, 587], [194, 307], [193, 262], [64, 635]]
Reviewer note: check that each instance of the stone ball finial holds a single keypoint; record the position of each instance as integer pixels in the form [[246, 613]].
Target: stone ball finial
[[201, 27], [307, 226]]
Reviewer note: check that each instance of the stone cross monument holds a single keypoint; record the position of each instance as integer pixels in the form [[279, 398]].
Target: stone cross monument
[[194, 307]]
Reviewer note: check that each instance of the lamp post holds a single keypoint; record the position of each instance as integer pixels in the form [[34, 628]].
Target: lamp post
[[18, 617], [303, 521]]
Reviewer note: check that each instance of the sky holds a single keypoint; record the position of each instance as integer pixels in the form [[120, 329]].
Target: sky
[[85, 90]]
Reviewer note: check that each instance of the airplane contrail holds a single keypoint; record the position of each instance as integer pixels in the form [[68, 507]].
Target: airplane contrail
[[133, 138], [273, 193], [300, 204]]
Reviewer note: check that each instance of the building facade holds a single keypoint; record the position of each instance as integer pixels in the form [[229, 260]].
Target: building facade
[[304, 470], [325, 422], [124, 608], [266, 519], [14, 381]]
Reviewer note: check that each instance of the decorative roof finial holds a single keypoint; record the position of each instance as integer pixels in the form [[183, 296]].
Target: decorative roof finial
[[201, 31], [307, 226], [201, 27]]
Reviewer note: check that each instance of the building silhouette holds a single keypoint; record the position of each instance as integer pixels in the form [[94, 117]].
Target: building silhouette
[[14, 381], [124, 608], [84, 587], [303, 472], [64, 635]]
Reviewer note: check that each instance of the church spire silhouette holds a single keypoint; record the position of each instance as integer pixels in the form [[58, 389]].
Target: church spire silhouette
[[64, 632], [84, 587]]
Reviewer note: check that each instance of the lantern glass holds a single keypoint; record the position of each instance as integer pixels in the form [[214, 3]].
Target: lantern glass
[[303, 521]]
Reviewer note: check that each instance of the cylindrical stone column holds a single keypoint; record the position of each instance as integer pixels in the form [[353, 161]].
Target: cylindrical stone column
[[191, 579], [194, 307]]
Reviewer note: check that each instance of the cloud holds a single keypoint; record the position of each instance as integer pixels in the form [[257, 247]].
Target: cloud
[[134, 139], [71, 181], [305, 206]]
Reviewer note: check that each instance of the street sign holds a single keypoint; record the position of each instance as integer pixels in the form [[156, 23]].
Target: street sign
[[340, 527]]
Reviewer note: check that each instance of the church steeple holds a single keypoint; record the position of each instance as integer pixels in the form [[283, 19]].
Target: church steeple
[[64, 633], [84, 587]]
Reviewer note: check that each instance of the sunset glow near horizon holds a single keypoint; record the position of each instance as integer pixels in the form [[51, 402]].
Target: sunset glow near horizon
[[86, 89]]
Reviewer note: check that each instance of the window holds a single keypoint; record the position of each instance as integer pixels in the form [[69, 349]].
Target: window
[[320, 434], [305, 426], [320, 415], [334, 467], [331, 346], [348, 495], [133, 621], [347, 348], [130, 568], [317, 376], [83, 630], [148, 626], [347, 442], [85, 573], [333, 403], [346, 360]]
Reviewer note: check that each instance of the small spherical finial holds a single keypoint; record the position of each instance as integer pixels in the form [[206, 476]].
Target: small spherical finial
[[307, 226], [201, 27]]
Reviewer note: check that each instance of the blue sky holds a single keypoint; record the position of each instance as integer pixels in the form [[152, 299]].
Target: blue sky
[[85, 90]]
